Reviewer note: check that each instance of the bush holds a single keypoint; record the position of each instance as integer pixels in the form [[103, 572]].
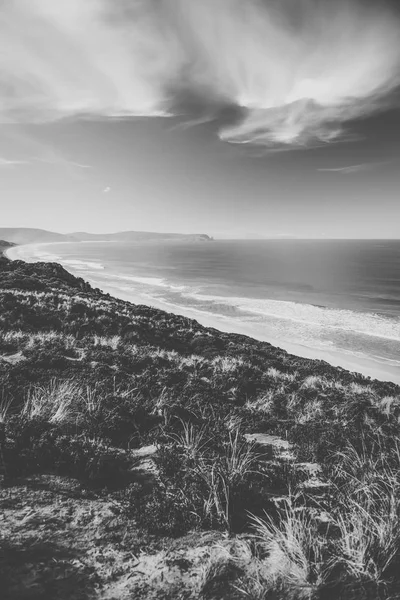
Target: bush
[[37, 446]]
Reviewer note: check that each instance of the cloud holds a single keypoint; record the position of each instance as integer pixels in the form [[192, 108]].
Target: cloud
[[354, 168], [106, 190], [295, 71], [347, 170], [58, 159], [5, 162]]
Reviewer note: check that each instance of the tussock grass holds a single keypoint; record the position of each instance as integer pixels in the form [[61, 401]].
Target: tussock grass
[[368, 517], [58, 402], [11, 336], [31, 341], [294, 551], [239, 458], [389, 405], [191, 361], [223, 477], [313, 381], [359, 389], [277, 375], [112, 342], [5, 405], [263, 403], [311, 411], [227, 364], [192, 440]]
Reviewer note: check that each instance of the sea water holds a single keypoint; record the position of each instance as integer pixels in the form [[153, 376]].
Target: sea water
[[341, 296]]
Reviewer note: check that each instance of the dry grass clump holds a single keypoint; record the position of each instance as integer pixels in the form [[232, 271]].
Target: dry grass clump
[[311, 411], [68, 402], [389, 405], [263, 403], [227, 364], [323, 384], [359, 389], [58, 402], [12, 336], [283, 560], [277, 375], [28, 341], [5, 405], [223, 573], [191, 361], [62, 402], [368, 517], [41, 338], [294, 551], [313, 381], [112, 342]]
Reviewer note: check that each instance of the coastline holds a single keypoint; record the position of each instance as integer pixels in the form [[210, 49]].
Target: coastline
[[367, 366]]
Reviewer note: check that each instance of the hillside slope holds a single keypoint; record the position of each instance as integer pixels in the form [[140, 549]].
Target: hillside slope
[[5, 245], [130, 429], [25, 235]]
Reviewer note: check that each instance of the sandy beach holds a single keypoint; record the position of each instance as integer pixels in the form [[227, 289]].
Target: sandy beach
[[383, 371]]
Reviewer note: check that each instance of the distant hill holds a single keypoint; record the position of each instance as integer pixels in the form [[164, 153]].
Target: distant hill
[[135, 236], [24, 235]]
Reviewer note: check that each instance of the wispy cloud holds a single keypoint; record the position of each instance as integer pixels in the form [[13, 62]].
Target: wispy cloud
[[29, 148], [347, 170], [58, 159], [296, 71], [5, 162], [351, 169]]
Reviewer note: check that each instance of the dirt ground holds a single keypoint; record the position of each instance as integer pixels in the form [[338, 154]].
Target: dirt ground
[[59, 541]]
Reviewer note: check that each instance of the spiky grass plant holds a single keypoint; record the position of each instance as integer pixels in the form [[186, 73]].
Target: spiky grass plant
[[5, 405], [294, 562], [368, 509], [223, 477], [192, 440], [90, 401], [239, 459]]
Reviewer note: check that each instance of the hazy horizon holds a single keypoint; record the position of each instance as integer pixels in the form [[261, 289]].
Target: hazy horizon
[[245, 237]]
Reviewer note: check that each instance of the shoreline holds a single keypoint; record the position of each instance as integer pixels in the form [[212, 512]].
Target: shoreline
[[367, 366]]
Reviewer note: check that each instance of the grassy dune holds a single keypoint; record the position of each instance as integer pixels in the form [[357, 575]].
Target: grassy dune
[[146, 456]]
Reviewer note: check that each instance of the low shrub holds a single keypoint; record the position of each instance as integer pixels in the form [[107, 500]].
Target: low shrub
[[198, 488], [36, 446]]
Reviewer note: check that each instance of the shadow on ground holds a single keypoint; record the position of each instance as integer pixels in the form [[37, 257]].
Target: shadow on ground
[[43, 570]]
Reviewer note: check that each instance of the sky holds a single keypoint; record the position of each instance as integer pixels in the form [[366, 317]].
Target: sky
[[236, 118]]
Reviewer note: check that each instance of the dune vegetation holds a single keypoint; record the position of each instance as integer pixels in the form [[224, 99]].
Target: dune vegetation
[[143, 455]]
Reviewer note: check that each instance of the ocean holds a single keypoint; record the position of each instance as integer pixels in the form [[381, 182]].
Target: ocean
[[334, 297]]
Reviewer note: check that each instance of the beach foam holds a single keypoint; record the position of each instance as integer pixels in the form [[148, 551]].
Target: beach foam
[[335, 319]]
